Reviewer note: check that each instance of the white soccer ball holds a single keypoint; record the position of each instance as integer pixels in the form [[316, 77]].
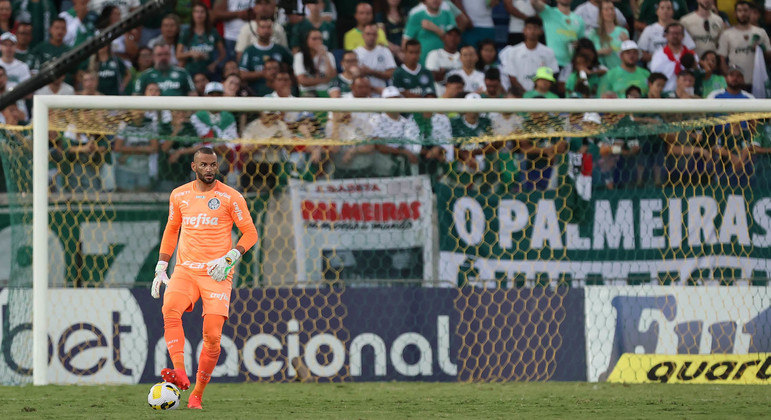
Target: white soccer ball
[[163, 396]]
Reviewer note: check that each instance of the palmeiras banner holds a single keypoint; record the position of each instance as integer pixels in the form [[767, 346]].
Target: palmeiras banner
[[363, 229], [642, 234]]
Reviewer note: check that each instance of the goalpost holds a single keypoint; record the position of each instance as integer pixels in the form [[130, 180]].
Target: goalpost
[[44, 104]]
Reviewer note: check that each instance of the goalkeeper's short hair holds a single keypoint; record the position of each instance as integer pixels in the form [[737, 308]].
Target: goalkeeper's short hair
[[204, 150]]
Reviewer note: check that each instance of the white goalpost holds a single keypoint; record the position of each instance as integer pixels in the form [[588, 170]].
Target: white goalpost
[[43, 104]]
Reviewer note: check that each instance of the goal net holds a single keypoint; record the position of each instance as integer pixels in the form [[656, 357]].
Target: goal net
[[465, 239]]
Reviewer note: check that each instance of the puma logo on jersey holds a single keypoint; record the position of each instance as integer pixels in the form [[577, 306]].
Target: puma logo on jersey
[[201, 219]]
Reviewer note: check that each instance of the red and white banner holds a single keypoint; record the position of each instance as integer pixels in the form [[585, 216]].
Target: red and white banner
[[363, 229]]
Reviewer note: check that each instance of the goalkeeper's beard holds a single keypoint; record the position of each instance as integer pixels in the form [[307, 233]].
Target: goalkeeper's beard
[[202, 178]]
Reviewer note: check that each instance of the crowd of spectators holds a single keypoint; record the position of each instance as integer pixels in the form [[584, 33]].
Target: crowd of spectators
[[389, 48]]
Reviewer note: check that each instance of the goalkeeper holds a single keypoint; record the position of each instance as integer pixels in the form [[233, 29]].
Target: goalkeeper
[[204, 210]]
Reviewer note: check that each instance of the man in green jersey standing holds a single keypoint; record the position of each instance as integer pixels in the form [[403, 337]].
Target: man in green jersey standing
[[562, 28], [618, 79], [172, 80]]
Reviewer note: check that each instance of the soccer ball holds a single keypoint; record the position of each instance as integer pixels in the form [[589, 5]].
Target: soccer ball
[[163, 396]]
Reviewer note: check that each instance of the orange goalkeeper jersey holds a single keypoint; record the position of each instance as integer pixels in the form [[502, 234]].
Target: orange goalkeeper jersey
[[206, 221]]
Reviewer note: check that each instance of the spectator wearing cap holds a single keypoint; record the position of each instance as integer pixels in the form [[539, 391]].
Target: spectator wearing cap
[[520, 62], [543, 82], [355, 38], [655, 35], [734, 80], [375, 61], [217, 125], [618, 79], [737, 43], [684, 87], [562, 27], [670, 59], [428, 25], [403, 135], [16, 70], [412, 80], [445, 59], [704, 26], [474, 80]]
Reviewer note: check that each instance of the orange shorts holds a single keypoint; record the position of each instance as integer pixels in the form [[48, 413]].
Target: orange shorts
[[196, 283]]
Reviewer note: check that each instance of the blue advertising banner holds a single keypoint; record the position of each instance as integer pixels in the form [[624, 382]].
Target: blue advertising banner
[[319, 334]]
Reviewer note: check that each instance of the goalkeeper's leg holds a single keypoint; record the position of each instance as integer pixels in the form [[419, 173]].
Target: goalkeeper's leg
[[174, 305], [210, 353]]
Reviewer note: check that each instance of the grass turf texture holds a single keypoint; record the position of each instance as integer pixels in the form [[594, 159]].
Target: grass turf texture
[[394, 400]]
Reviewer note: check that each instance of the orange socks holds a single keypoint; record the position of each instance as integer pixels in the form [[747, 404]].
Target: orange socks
[[210, 351], [173, 331]]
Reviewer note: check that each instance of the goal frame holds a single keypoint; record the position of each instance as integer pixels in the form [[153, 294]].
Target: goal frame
[[43, 104]]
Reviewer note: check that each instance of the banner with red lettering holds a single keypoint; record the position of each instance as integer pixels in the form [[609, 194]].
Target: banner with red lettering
[[363, 231]]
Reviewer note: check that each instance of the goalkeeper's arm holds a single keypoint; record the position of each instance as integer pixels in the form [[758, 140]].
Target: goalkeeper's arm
[[168, 244], [220, 268]]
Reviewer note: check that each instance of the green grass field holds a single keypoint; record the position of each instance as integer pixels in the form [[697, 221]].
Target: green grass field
[[398, 400]]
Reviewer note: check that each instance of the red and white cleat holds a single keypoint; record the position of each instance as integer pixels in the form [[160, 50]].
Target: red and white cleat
[[176, 376], [194, 402]]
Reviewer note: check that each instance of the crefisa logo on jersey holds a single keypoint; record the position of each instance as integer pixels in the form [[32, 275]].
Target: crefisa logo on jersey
[[214, 203], [200, 219]]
